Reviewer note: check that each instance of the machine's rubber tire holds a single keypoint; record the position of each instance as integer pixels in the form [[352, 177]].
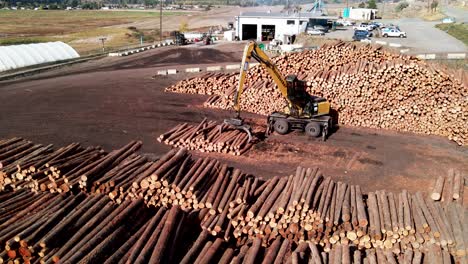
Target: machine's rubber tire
[[385, 35], [281, 126], [402, 36], [313, 129]]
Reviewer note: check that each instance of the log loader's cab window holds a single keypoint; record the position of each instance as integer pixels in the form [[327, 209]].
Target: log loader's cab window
[[290, 22]]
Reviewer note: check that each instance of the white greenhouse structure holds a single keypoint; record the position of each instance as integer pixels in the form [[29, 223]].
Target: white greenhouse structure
[[17, 56]]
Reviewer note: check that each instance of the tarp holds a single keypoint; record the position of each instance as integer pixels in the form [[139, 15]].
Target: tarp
[[17, 56]]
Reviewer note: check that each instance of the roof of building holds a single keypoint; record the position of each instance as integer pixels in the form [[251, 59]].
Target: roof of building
[[17, 56], [286, 15]]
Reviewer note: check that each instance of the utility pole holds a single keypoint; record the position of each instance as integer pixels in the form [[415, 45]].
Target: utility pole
[[102, 40], [160, 20], [383, 8]]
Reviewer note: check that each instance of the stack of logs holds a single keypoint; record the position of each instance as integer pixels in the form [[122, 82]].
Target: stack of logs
[[25, 165], [310, 207], [139, 211], [367, 85], [47, 228], [208, 136], [206, 250], [449, 188]]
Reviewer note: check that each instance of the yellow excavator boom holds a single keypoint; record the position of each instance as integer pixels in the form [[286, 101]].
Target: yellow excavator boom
[[253, 50], [304, 111]]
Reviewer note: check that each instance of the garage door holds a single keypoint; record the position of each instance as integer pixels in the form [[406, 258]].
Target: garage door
[[249, 32]]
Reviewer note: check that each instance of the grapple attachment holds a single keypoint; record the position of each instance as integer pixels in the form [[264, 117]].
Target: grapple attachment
[[238, 123]]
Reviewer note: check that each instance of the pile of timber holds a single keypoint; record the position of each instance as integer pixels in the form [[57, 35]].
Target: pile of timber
[[25, 165], [449, 188], [208, 136], [131, 208], [311, 207], [69, 228], [207, 83], [194, 184], [209, 250], [367, 85]]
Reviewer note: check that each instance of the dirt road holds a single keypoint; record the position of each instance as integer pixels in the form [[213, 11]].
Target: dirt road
[[112, 101]]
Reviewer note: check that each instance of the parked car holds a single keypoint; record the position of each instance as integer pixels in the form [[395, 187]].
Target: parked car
[[364, 26], [321, 28], [345, 23], [448, 20], [393, 32], [316, 32], [377, 24], [361, 35], [276, 42]]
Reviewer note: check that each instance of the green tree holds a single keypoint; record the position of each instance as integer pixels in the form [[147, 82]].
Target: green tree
[[434, 6], [362, 5], [372, 4], [401, 6]]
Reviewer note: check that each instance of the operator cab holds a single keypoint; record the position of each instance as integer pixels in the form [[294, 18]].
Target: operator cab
[[294, 84], [312, 105], [297, 91]]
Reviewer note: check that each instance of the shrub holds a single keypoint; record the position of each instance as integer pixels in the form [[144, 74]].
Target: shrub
[[401, 6]]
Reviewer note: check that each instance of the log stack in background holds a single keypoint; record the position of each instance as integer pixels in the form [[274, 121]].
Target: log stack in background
[[449, 188], [32, 166], [128, 209], [367, 85], [208, 136]]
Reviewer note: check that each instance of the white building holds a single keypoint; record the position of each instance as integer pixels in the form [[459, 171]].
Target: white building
[[17, 56], [362, 13], [265, 26]]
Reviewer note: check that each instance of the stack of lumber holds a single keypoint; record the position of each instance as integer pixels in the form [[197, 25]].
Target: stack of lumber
[[193, 184], [449, 188], [25, 165], [208, 83], [49, 228], [208, 136], [137, 210], [209, 250], [31, 166], [310, 207], [367, 85]]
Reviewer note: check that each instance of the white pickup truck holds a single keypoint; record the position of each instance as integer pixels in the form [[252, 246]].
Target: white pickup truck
[[364, 26], [393, 32]]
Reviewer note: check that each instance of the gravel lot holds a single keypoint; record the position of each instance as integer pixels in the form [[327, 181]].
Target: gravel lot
[[423, 37], [459, 14]]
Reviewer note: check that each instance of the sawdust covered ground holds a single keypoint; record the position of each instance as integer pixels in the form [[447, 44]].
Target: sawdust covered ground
[[114, 100]]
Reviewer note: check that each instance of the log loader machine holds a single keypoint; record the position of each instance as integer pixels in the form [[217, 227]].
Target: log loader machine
[[304, 111]]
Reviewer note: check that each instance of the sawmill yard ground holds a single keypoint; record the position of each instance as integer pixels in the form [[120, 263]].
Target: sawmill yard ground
[[111, 101]]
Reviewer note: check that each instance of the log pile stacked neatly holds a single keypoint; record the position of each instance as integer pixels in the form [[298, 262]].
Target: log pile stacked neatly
[[178, 179], [38, 168], [449, 188], [368, 86], [48, 228], [208, 136], [208, 250], [310, 207], [236, 217], [207, 83]]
